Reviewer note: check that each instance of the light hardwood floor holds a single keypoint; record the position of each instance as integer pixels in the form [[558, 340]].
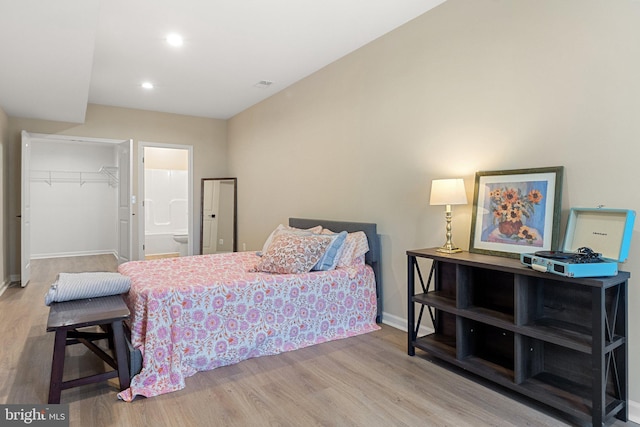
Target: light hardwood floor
[[366, 380]]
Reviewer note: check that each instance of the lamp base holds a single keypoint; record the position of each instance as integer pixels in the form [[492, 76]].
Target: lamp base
[[448, 247], [447, 250]]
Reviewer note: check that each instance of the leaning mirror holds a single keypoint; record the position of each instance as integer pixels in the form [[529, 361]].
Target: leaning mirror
[[218, 217]]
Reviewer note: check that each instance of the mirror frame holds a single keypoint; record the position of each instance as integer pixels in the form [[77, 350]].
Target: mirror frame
[[235, 209]]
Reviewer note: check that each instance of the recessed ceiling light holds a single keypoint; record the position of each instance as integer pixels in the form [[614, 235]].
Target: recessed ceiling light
[[147, 85], [175, 39]]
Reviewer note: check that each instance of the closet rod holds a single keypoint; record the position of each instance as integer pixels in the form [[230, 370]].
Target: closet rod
[[105, 175]]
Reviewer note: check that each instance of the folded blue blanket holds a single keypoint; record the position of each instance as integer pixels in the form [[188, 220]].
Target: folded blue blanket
[[73, 286]]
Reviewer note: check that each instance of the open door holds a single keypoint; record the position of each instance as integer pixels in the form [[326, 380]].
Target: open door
[[125, 242], [25, 223]]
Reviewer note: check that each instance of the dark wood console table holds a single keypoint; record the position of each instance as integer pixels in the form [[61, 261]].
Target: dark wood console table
[[561, 341]]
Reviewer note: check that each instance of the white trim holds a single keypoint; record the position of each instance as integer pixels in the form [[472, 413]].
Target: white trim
[[634, 411], [140, 193], [394, 321], [71, 138], [401, 323], [4, 286], [74, 254]]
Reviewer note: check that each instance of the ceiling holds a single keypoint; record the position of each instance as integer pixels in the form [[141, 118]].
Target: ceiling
[[58, 56]]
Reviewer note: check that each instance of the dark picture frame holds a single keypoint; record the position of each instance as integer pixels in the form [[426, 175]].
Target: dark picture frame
[[516, 211]]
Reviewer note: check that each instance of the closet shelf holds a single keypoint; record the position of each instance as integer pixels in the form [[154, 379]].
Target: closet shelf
[[106, 174]]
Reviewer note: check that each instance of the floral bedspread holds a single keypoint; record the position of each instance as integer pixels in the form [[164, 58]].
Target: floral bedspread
[[198, 313]]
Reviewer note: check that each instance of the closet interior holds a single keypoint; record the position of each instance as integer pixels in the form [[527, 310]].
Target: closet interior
[[74, 204]]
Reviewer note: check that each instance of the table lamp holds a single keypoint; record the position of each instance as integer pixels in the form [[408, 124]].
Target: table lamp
[[448, 192]]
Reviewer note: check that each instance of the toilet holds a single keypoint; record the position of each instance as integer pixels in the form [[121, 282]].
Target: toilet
[[183, 239]]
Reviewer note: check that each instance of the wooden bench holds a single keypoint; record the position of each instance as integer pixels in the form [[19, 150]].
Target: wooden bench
[[66, 318]]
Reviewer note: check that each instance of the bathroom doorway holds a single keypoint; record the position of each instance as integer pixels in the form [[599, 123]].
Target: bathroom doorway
[[165, 222]]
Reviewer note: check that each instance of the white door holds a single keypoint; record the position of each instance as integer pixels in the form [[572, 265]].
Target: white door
[[125, 242], [25, 223], [210, 201]]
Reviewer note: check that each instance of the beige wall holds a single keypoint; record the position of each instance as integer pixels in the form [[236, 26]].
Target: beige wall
[[4, 216], [207, 136], [472, 85]]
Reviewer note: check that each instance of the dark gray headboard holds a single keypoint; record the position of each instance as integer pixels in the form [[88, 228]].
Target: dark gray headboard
[[373, 257]]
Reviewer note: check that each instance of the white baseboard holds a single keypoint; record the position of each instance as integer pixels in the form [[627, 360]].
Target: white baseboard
[[401, 324], [394, 321], [4, 286], [634, 411], [73, 254], [16, 277]]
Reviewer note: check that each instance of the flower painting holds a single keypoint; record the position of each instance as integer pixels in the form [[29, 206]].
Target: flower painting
[[516, 211]]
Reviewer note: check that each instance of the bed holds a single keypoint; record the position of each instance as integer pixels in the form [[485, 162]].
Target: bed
[[198, 313]]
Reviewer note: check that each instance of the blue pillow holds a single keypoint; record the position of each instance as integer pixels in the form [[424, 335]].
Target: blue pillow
[[329, 260]]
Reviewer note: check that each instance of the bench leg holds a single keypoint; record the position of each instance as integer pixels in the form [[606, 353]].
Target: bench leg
[[120, 343], [57, 366]]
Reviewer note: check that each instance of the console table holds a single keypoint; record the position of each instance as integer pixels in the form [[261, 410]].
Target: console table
[[561, 341]]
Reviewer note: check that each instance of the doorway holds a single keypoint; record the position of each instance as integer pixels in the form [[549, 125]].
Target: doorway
[[75, 198], [165, 187]]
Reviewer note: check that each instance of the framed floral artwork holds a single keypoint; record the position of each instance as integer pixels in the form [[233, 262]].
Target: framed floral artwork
[[516, 211]]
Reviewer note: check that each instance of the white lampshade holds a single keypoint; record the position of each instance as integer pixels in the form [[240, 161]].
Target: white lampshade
[[448, 192]]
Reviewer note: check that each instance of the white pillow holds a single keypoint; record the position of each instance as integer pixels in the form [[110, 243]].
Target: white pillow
[[355, 246]]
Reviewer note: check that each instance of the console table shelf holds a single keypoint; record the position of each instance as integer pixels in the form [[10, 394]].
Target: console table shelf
[[558, 340]]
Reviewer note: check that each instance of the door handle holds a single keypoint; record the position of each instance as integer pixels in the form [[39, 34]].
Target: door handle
[[213, 215]]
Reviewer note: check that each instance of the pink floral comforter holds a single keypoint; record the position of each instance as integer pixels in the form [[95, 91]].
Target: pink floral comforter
[[198, 313]]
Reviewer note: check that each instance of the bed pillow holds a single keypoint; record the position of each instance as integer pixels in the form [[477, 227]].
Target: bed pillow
[[293, 253], [287, 229], [329, 259], [355, 246]]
